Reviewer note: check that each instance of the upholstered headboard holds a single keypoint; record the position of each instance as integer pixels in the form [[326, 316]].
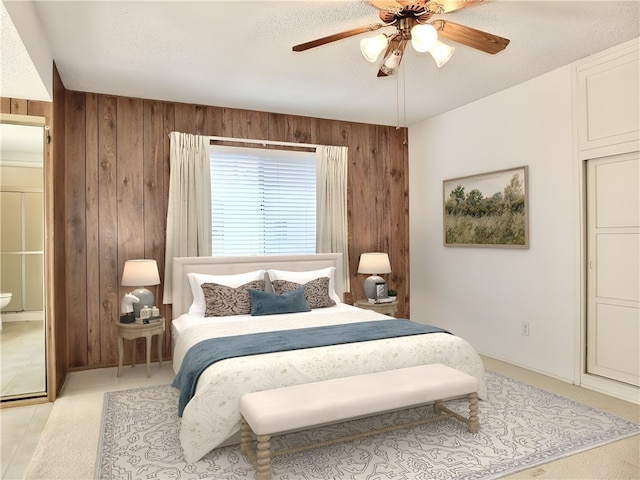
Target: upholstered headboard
[[182, 297]]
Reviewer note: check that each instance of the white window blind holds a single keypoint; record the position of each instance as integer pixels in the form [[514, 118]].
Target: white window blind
[[263, 201]]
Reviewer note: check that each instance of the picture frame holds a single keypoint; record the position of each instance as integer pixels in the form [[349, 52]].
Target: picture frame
[[487, 209]]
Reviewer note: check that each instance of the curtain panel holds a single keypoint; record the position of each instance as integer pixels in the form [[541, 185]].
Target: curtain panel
[[189, 205], [331, 198]]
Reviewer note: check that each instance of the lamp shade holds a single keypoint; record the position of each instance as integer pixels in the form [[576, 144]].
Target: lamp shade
[[374, 263], [140, 273]]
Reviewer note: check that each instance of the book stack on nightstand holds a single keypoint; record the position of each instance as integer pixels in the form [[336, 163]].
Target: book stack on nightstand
[[382, 300], [145, 321]]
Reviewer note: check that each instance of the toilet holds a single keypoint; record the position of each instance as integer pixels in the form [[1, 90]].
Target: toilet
[[5, 298]]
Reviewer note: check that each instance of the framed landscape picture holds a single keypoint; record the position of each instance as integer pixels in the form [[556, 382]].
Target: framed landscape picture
[[487, 210]]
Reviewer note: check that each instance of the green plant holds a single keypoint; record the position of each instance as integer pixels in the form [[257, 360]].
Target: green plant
[[391, 292]]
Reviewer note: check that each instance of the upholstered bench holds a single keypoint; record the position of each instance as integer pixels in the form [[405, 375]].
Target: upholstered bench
[[308, 405]]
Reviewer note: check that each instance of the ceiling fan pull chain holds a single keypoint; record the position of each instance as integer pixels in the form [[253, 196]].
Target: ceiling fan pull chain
[[397, 102], [404, 98]]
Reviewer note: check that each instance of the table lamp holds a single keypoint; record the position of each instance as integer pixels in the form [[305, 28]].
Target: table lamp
[[140, 273], [374, 263]]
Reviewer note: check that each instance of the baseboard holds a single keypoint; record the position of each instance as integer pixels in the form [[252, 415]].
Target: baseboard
[[619, 390], [23, 317], [612, 388], [529, 368]]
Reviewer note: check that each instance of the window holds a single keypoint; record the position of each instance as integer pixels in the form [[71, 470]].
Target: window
[[263, 201]]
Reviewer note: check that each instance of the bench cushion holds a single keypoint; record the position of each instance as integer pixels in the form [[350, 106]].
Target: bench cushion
[[308, 405]]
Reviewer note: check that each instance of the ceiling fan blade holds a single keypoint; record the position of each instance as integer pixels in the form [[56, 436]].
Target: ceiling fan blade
[[396, 44], [337, 36], [486, 42], [446, 6]]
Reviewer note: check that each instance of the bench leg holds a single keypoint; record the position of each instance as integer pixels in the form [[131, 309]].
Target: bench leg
[[474, 423], [263, 462], [246, 439], [261, 457]]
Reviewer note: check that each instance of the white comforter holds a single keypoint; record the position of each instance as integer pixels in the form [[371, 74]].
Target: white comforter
[[212, 415]]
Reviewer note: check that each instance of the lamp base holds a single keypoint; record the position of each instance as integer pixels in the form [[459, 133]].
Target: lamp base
[[145, 300], [375, 287]]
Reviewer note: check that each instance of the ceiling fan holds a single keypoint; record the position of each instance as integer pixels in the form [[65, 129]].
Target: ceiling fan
[[412, 19]]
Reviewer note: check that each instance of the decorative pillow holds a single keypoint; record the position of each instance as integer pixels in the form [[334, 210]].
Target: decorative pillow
[[223, 301], [316, 292], [265, 303], [198, 306], [304, 277]]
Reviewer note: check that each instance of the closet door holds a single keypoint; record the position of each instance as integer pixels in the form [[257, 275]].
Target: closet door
[[613, 283]]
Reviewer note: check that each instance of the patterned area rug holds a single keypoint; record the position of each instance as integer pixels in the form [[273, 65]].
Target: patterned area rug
[[521, 426]]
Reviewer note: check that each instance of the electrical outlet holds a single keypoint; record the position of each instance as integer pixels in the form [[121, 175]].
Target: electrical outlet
[[525, 329]]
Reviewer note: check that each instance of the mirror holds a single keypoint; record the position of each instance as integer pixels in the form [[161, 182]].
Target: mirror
[[22, 280]]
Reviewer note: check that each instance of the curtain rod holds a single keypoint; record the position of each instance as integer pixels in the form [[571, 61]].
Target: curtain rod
[[264, 142]]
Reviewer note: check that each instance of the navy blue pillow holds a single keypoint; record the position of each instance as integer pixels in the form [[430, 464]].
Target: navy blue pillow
[[266, 303]]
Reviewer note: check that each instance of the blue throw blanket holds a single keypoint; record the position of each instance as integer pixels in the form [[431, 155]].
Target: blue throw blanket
[[207, 352]]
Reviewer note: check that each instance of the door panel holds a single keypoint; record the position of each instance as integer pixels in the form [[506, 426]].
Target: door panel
[[613, 283], [617, 188], [614, 278], [614, 354]]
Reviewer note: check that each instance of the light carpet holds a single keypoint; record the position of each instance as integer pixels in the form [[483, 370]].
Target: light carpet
[[521, 427]]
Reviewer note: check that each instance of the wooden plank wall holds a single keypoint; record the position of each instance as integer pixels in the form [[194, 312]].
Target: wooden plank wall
[[117, 178]]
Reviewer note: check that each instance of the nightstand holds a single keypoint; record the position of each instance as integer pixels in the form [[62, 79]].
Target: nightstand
[[388, 308], [131, 331]]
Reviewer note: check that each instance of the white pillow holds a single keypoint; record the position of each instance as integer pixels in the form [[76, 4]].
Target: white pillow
[[199, 306], [304, 277]]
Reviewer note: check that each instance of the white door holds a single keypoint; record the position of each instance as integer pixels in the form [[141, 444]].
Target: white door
[[613, 282]]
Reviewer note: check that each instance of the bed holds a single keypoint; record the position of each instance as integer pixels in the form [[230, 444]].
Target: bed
[[211, 418]]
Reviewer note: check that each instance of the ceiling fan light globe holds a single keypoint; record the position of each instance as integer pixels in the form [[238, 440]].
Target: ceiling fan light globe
[[423, 37], [391, 62], [372, 47], [441, 53]]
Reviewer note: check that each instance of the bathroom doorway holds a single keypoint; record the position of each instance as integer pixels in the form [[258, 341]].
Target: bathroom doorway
[[23, 356]]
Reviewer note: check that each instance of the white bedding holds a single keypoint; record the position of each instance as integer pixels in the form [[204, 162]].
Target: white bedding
[[212, 415]]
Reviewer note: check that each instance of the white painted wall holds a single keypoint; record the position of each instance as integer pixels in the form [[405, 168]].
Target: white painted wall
[[483, 294]]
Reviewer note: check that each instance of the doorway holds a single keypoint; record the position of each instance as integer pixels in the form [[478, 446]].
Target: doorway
[[22, 272]]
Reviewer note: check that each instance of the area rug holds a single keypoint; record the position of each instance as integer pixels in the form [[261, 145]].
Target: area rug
[[521, 427]]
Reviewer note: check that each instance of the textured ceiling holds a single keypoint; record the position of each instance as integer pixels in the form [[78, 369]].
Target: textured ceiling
[[18, 75], [238, 53]]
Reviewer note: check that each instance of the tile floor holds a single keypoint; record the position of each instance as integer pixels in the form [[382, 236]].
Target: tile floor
[[22, 371], [22, 358], [20, 429]]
